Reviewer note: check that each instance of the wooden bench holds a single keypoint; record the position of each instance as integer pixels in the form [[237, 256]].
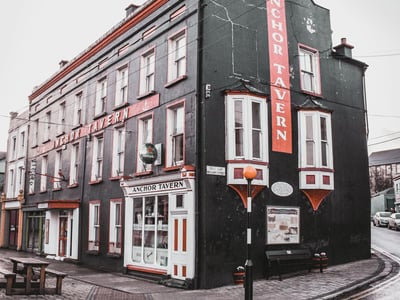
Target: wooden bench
[[10, 280], [295, 259], [59, 277]]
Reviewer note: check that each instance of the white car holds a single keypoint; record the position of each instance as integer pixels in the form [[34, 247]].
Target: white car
[[381, 218], [394, 221]]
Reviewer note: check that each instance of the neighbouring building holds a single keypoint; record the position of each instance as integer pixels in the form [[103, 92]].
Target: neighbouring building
[[2, 170], [396, 187], [384, 166], [137, 146], [13, 197]]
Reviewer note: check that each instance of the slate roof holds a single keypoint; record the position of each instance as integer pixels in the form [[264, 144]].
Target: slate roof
[[384, 157]]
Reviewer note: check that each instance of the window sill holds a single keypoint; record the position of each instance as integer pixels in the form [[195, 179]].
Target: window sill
[[119, 106], [144, 95], [318, 95], [57, 189], [72, 186], [175, 81], [172, 168], [98, 116], [46, 141], [95, 181], [43, 191], [139, 174], [93, 252], [114, 255], [60, 134], [115, 178], [77, 126]]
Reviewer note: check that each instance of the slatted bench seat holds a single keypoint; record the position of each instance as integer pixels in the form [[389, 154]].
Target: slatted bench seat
[[10, 280], [280, 260], [59, 277]]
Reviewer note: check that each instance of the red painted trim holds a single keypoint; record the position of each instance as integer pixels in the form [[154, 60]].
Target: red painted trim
[[176, 231], [310, 169], [146, 270], [239, 92], [244, 161], [184, 235], [99, 46]]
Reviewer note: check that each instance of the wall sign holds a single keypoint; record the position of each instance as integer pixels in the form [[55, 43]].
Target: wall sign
[[279, 77], [148, 153], [283, 225], [282, 189]]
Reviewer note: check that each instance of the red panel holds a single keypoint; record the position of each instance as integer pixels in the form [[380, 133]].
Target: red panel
[[183, 271], [310, 179], [238, 173], [184, 239], [326, 179], [176, 231]]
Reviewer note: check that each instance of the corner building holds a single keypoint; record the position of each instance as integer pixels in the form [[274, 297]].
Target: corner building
[[210, 87]]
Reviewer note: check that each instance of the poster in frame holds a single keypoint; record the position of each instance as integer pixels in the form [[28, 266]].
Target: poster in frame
[[283, 225]]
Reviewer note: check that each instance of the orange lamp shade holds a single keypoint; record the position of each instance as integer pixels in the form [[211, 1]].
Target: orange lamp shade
[[249, 173]]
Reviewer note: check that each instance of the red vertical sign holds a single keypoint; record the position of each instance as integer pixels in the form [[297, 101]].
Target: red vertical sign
[[279, 77]]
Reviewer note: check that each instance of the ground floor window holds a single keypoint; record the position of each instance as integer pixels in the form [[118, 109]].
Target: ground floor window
[[34, 233], [150, 230]]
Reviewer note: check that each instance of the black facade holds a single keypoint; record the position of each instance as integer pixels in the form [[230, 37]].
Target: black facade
[[183, 217]]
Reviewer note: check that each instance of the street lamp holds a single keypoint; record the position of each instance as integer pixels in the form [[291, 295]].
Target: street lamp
[[249, 173]]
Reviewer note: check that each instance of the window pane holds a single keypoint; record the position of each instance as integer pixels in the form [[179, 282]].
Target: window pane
[[238, 128], [309, 141], [324, 153], [323, 129]]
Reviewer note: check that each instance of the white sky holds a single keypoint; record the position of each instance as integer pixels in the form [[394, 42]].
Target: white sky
[[37, 34]]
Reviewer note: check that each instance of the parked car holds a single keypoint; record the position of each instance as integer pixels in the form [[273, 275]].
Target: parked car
[[381, 218], [394, 221]]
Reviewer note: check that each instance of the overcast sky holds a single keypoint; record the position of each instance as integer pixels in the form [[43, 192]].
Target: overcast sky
[[37, 34]]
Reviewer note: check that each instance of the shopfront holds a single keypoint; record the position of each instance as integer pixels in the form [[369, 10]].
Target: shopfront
[[159, 225]]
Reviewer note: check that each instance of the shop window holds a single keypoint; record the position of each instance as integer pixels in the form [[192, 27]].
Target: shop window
[[121, 96], [115, 234], [150, 230], [147, 72], [175, 135], [177, 56], [94, 226], [101, 96], [118, 152], [145, 135]]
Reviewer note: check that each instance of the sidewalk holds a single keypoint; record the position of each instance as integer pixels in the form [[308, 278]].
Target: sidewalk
[[85, 283]]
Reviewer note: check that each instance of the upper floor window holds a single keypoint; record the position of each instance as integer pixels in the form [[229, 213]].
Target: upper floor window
[[22, 143], [43, 173], [177, 56], [145, 135], [246, 127], [57, 179], [101, 96], [32, 176], [78, 109], [315, 140], [74, 166], [121, 86], [11, 183], [118, 152], [13, 147], [61, 119], [97, 162], [147, 71], [310, 80], [35, 132], [175, 135], [47, 127]]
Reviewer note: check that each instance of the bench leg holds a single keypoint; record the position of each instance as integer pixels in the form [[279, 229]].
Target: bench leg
[[59, 285], [10, 283]]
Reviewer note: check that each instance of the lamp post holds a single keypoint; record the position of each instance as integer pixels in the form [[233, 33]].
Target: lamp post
[[249, 173]]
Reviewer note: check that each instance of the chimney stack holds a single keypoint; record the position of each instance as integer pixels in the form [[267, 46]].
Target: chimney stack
[[344, 49], [62, 63], [131, 9]]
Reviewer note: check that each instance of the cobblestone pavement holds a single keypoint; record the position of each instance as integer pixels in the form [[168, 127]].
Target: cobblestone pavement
[[85, 283]]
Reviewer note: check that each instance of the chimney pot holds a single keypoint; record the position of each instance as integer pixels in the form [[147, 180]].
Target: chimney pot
[[131, 9], [344, 49]]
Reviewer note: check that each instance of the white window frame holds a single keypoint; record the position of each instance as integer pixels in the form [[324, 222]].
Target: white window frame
[[43, 172], [11, 182], [78, 109], [47, 127], [115, 234], [121, 96], [32, 176], [315, 139], [94, 226], [74, 165], [177, 56], [247, 150], [147, 72], [22, 144], [310, 76], [61, 119], [101, 96], [145, 135], [175, 132], [13, 146], [35, 131], [57, 169], [20, 180], [118, 160], [97, 160]]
